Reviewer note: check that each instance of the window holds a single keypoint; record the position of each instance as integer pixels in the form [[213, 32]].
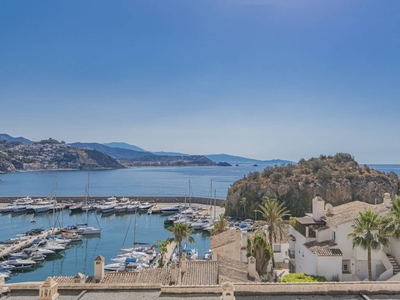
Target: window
[[277, 248], [346, 267]]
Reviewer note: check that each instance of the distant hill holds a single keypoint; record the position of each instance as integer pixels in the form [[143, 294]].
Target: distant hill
[[117, 153], [9, 138], [136, 148], [171, 153], [238, 160], [123, 145], [140, 158]]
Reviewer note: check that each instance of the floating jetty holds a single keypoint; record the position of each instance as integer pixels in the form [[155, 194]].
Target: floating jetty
[[27, 241]]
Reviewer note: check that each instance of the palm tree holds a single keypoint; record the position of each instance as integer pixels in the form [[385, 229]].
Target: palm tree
[[180, 231], [220, 226], [162, 246], [369, 234], [273, 212], [243, 202], [393, 220], [260, 249]]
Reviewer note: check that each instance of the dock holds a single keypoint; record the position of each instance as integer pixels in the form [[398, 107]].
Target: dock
[[170, 250], [24, 243]]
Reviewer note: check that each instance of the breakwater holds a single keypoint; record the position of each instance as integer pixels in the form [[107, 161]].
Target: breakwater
[[158, 199]]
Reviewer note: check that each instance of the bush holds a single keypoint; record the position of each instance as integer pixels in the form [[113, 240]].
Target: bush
[[301, 277], [324, 175], [276, 176]]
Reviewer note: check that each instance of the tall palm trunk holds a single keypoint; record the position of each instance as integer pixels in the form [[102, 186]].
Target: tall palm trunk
[[272, 247], [179, 253], [369, 264]]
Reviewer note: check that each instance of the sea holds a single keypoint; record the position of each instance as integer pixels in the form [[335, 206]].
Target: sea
[[117, 230]]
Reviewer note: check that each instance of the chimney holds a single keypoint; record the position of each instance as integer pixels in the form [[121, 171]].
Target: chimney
[[228, 291], [48, 290], [98, 268], [387, 201], [174, 274], [79, 278], [251, 267], [318, 205]]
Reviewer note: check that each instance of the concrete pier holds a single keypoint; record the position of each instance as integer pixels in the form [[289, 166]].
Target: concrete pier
[[18, 246]]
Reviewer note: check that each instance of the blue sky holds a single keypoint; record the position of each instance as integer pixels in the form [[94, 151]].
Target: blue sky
[[256, 78]]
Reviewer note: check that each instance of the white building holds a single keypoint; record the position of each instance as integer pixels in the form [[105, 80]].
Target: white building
[[319, 244]]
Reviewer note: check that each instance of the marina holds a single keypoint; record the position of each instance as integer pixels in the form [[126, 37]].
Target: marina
[[117, 231]]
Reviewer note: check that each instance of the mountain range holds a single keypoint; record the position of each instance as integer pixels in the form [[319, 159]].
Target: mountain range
[[127, 152]]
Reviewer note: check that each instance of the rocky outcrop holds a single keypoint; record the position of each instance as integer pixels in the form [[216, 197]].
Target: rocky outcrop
[[6, 166], [93, 159], [337, 180]]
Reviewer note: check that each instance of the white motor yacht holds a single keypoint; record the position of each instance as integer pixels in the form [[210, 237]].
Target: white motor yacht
[[172, 209], [88, 230], [21, 264]]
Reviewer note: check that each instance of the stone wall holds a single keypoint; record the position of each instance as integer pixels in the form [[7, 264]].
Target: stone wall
[[316, 288]]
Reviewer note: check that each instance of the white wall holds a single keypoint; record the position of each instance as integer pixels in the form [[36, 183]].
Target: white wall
[[324, 235], [280, 256], [329, 266], [394, 248]]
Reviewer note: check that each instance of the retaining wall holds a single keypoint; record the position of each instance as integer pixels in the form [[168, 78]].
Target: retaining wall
[[303, 288]]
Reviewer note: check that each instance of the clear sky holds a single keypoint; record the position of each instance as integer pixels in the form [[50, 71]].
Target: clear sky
[[257, 78]]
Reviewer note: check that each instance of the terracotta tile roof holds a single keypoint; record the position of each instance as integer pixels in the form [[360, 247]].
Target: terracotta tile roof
[[200, 272], [223, 238], [323, 248], [349, 211], [162, 276], [235, 270], [111, 277], [119, 277], [69, 279], [328, 252]]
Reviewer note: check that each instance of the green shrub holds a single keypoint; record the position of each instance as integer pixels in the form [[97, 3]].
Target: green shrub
[[301, 277]]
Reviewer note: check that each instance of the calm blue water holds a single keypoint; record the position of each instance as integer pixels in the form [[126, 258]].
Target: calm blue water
[[171, 181], [149, 181]]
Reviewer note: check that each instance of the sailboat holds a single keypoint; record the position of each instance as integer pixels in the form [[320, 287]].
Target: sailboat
[[84, 229]]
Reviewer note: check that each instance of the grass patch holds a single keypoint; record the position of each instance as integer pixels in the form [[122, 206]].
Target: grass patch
[[301, 277]]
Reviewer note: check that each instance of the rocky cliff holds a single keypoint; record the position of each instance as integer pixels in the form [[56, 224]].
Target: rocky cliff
[[337, 179]]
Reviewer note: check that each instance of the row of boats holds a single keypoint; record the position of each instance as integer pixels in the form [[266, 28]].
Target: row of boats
[[37, 251], [29, 205], [112, 204]]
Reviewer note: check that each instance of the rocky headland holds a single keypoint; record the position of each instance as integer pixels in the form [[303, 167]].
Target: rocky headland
[[51, 155], [337, 179]]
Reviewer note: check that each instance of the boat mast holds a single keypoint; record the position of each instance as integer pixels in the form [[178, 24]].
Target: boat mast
[[134, 228], [215, 204], [86, 197]]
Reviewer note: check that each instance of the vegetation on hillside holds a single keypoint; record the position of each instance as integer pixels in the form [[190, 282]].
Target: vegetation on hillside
[[339, 179]]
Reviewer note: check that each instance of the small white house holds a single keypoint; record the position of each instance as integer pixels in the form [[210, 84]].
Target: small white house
[[319, 244]]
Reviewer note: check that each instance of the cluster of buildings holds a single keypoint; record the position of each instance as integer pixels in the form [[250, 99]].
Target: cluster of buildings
[[40, 156]]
